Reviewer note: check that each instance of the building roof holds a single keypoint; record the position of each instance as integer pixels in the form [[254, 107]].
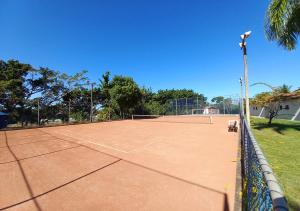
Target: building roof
[[293, 95]]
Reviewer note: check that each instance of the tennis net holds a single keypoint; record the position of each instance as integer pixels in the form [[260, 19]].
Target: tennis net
[[192, 119]]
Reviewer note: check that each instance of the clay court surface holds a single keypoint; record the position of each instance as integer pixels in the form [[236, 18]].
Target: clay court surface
[[180, 164]]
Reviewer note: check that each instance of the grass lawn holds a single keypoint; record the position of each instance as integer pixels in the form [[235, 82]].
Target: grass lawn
[[280, 143]]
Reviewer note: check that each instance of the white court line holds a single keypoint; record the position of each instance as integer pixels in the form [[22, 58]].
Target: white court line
[[109, 147], [143, 147]]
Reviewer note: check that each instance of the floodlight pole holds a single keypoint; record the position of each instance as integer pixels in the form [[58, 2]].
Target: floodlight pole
[[244, 48], [242, 98]]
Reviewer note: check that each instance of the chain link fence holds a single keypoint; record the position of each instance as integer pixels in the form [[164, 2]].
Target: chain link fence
[[33, 113], [37, 112], [261, 190], [193, 106]]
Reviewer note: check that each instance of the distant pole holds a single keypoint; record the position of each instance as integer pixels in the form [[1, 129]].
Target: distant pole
[[224, 112], [241, 97], [186, 106], [197, 103], [91, 113], [69, 111], [176, 107], [38, 112]]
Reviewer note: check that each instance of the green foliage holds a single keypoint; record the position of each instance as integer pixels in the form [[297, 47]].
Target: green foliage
[[271, 100], [283, 89], [106, 114], [21, 83], [163, 96], [125, 95], [105, 86], [155, 108], [283, 22], [23, 87], [218, 99], [80, 116]]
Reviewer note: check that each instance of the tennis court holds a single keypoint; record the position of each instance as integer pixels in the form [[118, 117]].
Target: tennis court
[[163, 163]]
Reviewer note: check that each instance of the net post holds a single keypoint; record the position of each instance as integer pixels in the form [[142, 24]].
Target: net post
[[210, 119], [131, 116]]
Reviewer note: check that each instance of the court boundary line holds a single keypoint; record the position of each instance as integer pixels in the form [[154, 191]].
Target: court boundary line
[[145, 167], [22, 144], [224, 194], [39, 155], [60, 186], [105, 146]]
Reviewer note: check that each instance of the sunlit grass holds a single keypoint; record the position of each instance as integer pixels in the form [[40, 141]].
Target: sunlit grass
[[280, 143]]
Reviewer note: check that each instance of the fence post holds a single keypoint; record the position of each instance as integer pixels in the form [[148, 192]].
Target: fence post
[[38, 112], [69, 111], [91, 112], [197, 103], [176, 107], [186, 107]]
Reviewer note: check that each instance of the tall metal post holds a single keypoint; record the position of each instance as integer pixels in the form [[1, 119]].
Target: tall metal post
[[176, 107], [224, 112], [186, 107], [241, 97], [246, 85], [69, 111], [91, 113], [38, 112]]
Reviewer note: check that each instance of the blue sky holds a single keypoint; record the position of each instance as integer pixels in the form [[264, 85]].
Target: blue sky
[[161, 44]]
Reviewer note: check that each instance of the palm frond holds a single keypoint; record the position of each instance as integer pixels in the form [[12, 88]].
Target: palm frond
[[283, 22]]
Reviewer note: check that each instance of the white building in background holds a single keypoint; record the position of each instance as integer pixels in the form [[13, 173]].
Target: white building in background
[[210, 110], [289, 108]]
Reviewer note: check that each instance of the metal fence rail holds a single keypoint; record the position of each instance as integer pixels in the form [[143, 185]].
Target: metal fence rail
[[261, 190]]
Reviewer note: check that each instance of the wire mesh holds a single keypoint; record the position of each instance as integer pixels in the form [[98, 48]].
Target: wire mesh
[[199, 119], [191, 106], [34, 112], [260, 188]]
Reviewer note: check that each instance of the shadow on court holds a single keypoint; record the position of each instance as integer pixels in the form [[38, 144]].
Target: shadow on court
[[163, 183], [38, 207]]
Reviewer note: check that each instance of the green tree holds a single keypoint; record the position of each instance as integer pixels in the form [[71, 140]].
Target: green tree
[[20, 83], [22, 86], [163, 96], [283, 22], [105, 86], [125, 95], [271, 100], [218, 99], [283, 89]]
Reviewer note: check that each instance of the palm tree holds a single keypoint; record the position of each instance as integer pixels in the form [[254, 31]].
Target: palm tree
[[284, 89], [283, 22]]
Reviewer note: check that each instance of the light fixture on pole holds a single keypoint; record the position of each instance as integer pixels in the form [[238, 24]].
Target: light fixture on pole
[[244, 48]]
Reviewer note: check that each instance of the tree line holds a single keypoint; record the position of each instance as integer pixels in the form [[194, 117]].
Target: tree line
[[23, 88]]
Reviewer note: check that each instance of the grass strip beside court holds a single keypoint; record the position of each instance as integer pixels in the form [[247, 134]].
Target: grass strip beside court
[[280, 143]]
